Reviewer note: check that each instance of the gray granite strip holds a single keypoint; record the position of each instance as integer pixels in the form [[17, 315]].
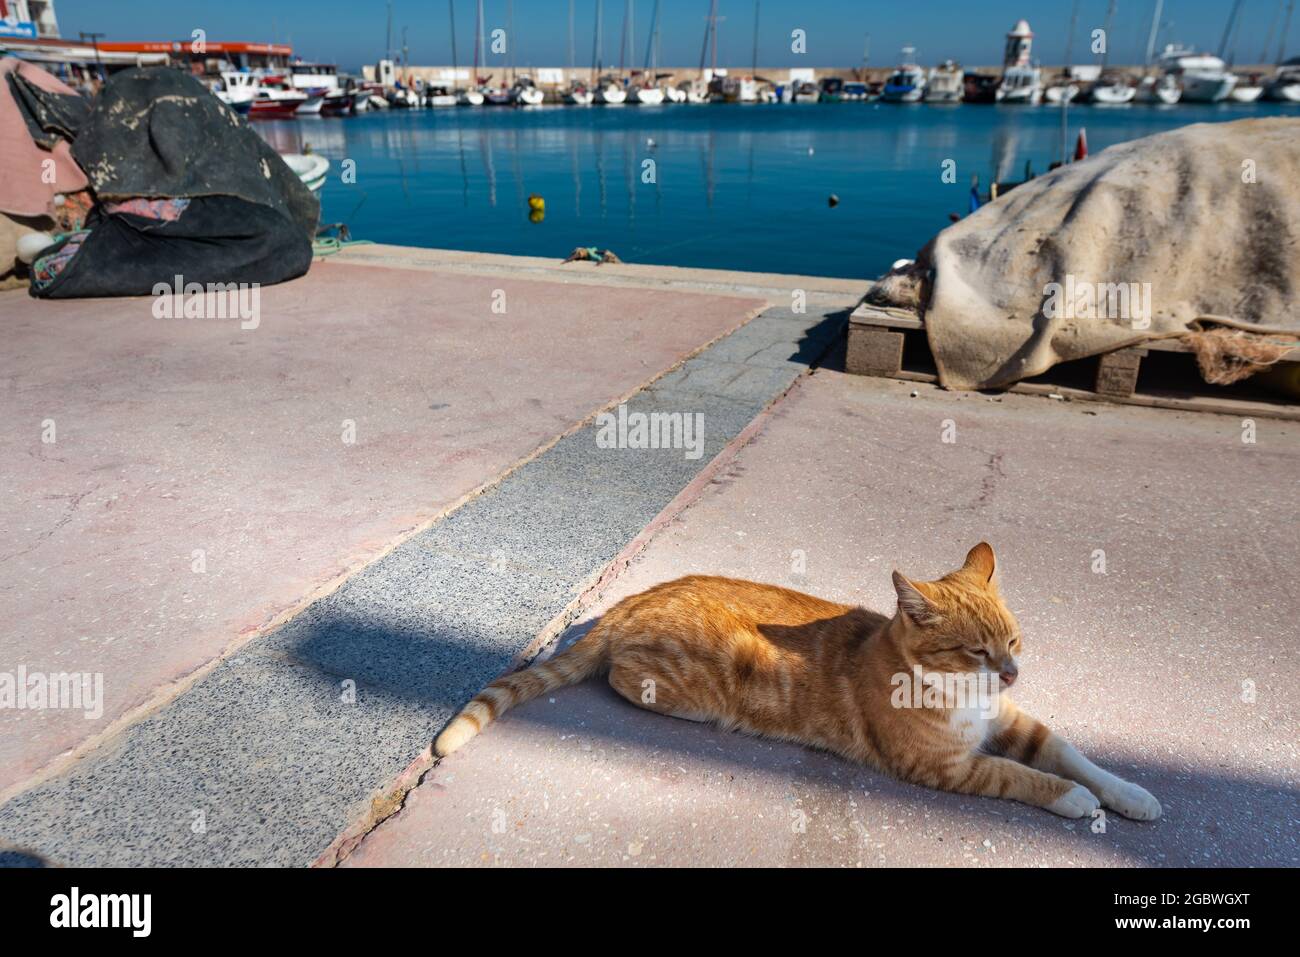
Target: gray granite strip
[[266, 759]]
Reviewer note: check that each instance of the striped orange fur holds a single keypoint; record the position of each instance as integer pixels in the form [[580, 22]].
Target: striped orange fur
[[779, 663]]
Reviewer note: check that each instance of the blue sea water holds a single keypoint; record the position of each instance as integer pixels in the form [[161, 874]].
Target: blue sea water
[[729, 186]]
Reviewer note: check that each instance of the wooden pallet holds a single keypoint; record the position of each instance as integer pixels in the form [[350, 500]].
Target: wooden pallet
[[877, 336]]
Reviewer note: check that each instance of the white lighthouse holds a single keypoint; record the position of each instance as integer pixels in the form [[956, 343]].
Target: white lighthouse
[[1020, 43]]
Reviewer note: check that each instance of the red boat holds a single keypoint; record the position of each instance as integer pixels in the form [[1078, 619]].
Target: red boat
[[276, 104]]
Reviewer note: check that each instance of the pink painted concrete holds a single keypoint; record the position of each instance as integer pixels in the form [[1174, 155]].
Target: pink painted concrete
[[1144, 667], [174, 436]]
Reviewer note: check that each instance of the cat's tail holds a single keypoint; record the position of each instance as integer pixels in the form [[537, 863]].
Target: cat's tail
[[586, 658]]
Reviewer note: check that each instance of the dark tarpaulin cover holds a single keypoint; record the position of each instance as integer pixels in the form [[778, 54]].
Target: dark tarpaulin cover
[[159, 133], [49, 116]]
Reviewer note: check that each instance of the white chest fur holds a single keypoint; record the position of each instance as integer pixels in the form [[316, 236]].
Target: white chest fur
[[972, 723]]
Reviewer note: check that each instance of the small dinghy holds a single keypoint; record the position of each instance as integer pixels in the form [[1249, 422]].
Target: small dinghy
[[311, 168]]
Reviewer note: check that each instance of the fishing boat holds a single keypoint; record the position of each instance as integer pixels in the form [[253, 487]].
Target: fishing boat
[[339, 103], [945, 84], [907, 83], [266, 106], [241, 106], [1204, 78], [1021, 80], [980, 87]]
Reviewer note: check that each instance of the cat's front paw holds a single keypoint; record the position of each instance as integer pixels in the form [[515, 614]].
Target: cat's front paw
[[1132, 801], [1076, 802]]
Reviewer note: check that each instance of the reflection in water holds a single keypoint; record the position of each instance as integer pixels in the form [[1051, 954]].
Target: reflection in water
[[734, 187]]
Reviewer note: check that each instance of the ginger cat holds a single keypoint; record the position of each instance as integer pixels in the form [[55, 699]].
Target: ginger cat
[[775, 662]]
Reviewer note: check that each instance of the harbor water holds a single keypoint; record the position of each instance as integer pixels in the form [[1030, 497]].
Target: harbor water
[[718, 186]]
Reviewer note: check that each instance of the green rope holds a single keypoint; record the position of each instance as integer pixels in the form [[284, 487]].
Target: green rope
[[329, 245]]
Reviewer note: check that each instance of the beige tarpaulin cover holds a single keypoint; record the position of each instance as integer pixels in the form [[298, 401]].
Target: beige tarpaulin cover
[[1207, 215]]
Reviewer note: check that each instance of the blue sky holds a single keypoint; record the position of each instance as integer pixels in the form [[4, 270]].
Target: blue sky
[[352, 32]]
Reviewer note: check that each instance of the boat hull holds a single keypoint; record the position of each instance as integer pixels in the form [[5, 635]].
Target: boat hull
[[1116, 95], [469, 98], [1246, 94], [1284, 92], [611, 96], [649, 96], [579, 97], [1207, 88]]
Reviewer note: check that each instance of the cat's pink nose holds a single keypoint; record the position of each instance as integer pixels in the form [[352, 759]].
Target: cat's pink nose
[[1008, 676]]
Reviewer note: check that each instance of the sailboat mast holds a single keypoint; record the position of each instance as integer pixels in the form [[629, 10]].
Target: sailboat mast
[[510, 37], [713, 19], [1286, 28], [451, 8], [1105, 49], [1227, 30], [1155, 29], [595, 41], [480, 55], [571, 39], [631, 34], [754, 64]]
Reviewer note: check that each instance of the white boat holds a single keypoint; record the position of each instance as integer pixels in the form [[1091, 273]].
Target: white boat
[[404, 99], [1020, 85], [1284, 87], [498, 96], [674, 94], [1112, 90], [907, 83], [1203, 78], [945, 84], [1247, 90], [525, 92], [376, 102], [806, 91], [440, 96], [579, 95], [311, 168], [1060, 90], [739, 89], [647, 95], [470, 97], [1022, 82], [610, 92], [1161, 90], [694, 91]]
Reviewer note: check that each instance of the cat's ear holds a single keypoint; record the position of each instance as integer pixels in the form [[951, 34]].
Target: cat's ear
[[980, 561], [912, 603]]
